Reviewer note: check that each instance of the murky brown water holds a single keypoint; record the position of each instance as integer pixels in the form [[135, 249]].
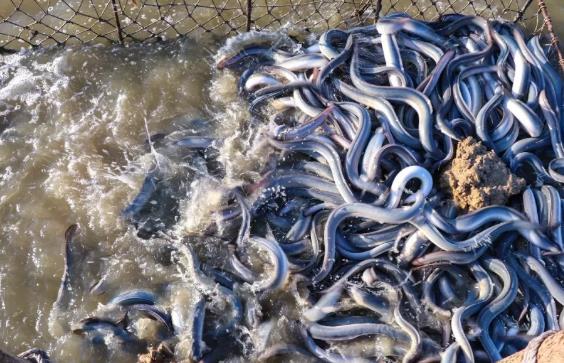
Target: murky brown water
[[556, 9], [71, 151]]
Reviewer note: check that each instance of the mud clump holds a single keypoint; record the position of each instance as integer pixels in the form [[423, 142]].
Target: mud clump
[[477, 177], [551, 350]]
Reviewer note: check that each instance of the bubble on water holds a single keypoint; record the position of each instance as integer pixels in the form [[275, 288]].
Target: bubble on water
[[206, 197], [74, 153], [148, 329], [223, 89], [254, 38]]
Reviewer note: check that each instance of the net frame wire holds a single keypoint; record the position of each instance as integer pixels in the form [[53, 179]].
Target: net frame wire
[[43, 23]]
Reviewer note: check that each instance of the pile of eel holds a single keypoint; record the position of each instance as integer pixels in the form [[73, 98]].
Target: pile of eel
[[374, 113]]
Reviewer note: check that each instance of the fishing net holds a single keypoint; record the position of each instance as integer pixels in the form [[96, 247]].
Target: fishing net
[[30, 23]]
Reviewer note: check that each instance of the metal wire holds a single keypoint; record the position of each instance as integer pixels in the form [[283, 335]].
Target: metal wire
[[29, 23]]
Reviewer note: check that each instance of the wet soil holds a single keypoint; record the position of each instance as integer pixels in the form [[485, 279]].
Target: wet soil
[[550, 351], [477, 177]]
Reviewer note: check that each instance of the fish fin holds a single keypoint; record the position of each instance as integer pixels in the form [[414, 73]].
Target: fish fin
[[269, 232], [123, 322]]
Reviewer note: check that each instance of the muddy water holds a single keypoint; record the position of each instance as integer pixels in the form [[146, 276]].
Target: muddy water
[[556, 9], [73, 149]]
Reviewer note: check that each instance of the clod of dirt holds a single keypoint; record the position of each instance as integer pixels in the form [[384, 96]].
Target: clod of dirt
[[160, 354], [477, 177]]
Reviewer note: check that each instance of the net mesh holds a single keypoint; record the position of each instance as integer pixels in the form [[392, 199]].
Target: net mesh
[[27, 23]]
